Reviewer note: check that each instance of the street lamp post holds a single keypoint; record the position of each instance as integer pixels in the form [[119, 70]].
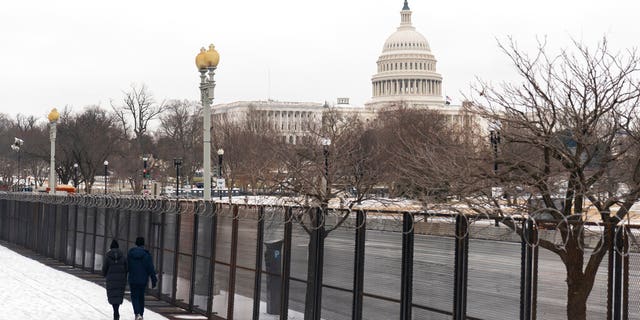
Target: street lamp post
[[326, 142], [177, 162], [53, 119], [207, 62], [494, 138], [106, 172], [75, 176], [144, 174], [17, 144], [220, 154]]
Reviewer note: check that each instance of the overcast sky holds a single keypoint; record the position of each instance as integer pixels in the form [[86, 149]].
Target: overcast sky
[[79, 53]]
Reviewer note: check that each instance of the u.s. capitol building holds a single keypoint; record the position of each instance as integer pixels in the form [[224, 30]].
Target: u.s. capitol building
[[406, 77]]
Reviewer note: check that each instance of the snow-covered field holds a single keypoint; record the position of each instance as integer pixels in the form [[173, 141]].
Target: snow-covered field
[[31, 290]]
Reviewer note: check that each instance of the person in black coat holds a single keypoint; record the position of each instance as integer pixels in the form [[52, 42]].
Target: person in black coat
[[140, 270], [114, 269]]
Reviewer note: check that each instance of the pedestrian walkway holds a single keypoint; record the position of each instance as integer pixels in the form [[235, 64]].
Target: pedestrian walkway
[[36, 287]]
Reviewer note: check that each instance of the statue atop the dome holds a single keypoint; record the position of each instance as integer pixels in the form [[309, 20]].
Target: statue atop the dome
[[406, 5]]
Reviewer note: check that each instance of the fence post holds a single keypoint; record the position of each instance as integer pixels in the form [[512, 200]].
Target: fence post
[[194, 258], [233, 261], [44, 224], [616, 285], [358, 266], [528, 271], [315, 266], [84, 238], [15, 221], [286, 265], [62, 226], [160, 265], [127, 227], [75, 235], [19, 224], [3, 219], [65, 234], [12, 220], [461, 266], [176, 256], [55, 241], [257, 282], [105, 233], [406, 275], [212, 259], [625, 281], [95, 235]]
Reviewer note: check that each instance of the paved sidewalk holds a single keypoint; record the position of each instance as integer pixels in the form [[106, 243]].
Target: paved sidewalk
[[61, 307]]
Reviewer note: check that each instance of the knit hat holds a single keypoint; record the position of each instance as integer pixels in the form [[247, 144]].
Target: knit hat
[[114, 244], [140, 241]]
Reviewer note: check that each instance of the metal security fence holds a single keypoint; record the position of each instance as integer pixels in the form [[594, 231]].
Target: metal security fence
[[282, 262], [630, 301]]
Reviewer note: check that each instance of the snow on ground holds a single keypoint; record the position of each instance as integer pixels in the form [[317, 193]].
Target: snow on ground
[[31, 290], [244, 307]]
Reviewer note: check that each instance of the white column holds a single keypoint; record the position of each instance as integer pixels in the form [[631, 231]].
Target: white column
[[52, 164], [207, 86]]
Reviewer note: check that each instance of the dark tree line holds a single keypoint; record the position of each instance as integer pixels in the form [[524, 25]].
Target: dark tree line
[[122, 135]]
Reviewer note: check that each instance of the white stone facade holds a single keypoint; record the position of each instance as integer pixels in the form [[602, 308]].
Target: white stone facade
[[292, 120]]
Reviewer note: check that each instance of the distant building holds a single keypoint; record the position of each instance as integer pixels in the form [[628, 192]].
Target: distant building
[[406, 70], [290, 119], [406, 77]]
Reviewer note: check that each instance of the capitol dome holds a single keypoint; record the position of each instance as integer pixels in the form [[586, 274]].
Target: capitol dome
[[406, 70], [406, 39]]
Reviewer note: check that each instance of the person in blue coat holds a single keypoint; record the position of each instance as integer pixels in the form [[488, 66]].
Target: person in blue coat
[[114, 269], [140, 270]]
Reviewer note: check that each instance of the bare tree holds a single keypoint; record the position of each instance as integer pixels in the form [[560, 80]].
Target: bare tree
[[35, 151], [137, 110], [247, 144], [180, 136], [423, 150], [92, 137], [346, 169], [7, 159], [570, 138]]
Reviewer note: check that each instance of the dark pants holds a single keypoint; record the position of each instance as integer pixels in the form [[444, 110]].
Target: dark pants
[[137, 298], [116, 314]]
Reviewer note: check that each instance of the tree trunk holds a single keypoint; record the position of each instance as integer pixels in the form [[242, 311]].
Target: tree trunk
[[577, 287], [577, 303], [577, 295]]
